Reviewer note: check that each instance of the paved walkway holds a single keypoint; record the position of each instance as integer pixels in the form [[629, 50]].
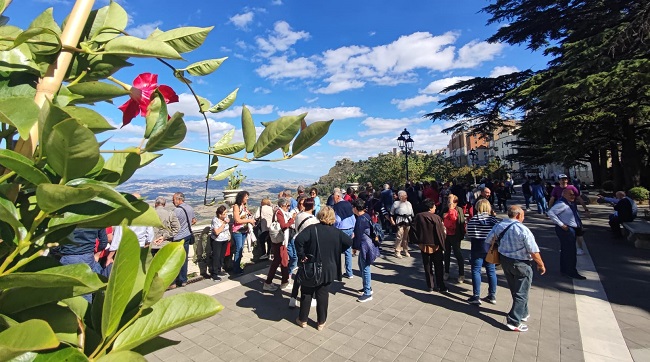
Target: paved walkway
[[605, 318]]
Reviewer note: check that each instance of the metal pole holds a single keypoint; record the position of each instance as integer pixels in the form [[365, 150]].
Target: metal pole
[[407, 165]]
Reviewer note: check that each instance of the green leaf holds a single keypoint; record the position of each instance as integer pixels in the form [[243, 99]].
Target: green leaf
[[156, 114], [169, 313], [225, 103], [165, 265], [224, 174], [96, 66], [19, 112], [170, 135], [46, 21], [52, 197], [22, 166], [229, 149], [225, 139], [124, 164], [71, 149], [184, 39], [204, 104], [136, 47], [122, 356], [113, 16], [248, 129], [96, 91], [15, 58], [10, 215], [277, 134], [33, 335], [214, 164], [17, 84], [42, 41], [67, 354], [204, 67], [310, 135], [89, 118], [79, 306], [64, 97], [6, 322], [156, 291], [147, 158], [73, 275], [120, 282], [62, 320], [102, 190]]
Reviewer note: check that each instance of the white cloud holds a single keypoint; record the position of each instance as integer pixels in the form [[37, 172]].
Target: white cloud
[[242, 20], [324, 114], [385, 125], [276, 2], [215, 126], [187, 105], [311, 100], [499, 71], [261, 90], [475, 52], [417, 101], [437, 86], [300, 156], [280, 67], [280, 39], [340, 86], [144, 30]]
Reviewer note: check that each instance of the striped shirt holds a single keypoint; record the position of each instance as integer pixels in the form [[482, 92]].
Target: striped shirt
[[517, 243], [478, 229]]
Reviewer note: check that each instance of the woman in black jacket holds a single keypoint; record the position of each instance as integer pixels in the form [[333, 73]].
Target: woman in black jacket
[[331, 242], [429, 232]]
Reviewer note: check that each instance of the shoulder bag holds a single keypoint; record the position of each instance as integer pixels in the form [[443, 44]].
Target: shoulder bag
[[310, 273], [189, 225], [275, 230], [492, 256]]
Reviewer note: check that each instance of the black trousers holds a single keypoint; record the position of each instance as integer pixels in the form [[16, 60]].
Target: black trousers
[[433, 267], [215, 260], [452, 242], [322, 293]]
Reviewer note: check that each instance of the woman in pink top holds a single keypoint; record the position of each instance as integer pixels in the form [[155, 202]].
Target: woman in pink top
[[454, 221]]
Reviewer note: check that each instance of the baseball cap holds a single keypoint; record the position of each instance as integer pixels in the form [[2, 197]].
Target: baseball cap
[[561, 176]]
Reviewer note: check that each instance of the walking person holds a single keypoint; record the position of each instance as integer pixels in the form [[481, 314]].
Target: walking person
[[539, 195], [430, 232], [325, 243], [527, 191], [478, 227], [401, 216], [280, 253], [219, 236], [305, 218], [345, 220], [517, 250], [170, 226], [564, 214], [454, 221], [185, 215], [363, 243], [242, 225]]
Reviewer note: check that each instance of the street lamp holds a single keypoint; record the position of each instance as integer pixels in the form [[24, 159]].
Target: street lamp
[[405, 143], [473, 156]]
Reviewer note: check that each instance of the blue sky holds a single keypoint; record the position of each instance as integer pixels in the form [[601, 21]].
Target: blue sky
[[375, 67]]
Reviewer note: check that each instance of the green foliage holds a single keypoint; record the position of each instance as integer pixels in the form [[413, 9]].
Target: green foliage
[[639, 193], [65, 182], [235, 180]]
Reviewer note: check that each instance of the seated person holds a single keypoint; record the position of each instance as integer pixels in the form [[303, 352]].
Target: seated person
[[625, 210]]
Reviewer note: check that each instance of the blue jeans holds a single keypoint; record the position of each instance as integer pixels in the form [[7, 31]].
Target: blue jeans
[[365, 274], [182, 275], [293, 256], [348, 254], [527, 200], [568, 258], [88, 259], [490, 270], [237, 255], [519, 275], [542, 206]]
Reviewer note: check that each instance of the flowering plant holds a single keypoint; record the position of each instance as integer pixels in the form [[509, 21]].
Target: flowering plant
[[54, 178]]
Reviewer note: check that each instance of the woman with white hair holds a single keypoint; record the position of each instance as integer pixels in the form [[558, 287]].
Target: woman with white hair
[[401, 216]]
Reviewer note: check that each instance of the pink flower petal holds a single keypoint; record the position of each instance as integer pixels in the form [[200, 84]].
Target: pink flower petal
[[146, 81], [130, 110], [168, 93]]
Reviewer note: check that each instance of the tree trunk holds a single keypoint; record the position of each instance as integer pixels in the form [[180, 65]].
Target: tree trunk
[[617, 169], [596, 173], [604, 160], [630, 156]]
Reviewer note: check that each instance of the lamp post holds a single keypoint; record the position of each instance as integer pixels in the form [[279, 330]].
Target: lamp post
[[473, 156], [405, 143]]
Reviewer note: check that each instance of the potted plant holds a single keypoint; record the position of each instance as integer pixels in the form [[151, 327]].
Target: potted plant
[[233, 187], [353, 181]]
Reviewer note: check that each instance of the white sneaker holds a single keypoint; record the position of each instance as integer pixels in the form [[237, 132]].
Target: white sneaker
[[270, 287], [292, 303], [446, 276], [286, 285], [461, 279], [580, 251], [313, 302]]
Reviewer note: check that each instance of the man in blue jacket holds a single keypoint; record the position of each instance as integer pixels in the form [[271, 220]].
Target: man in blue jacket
[[82, 250]]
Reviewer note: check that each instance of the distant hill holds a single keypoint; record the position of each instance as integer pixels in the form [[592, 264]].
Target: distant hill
[[276, 174]]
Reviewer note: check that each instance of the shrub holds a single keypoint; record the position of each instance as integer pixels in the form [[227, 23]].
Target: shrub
[[639, 193]]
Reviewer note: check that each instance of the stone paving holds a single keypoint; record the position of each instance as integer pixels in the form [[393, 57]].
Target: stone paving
[[404, 322]]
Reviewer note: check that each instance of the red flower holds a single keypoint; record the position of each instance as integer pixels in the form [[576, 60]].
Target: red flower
[[143, 86]]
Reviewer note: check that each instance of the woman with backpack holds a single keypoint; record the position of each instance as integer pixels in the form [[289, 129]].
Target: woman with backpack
[[280, 254], [303, 219]]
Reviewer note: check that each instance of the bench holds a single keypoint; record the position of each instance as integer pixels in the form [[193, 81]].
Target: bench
[[638, 232]]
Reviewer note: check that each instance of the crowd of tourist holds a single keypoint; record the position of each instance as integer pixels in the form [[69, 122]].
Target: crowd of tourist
[[314, 245]]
